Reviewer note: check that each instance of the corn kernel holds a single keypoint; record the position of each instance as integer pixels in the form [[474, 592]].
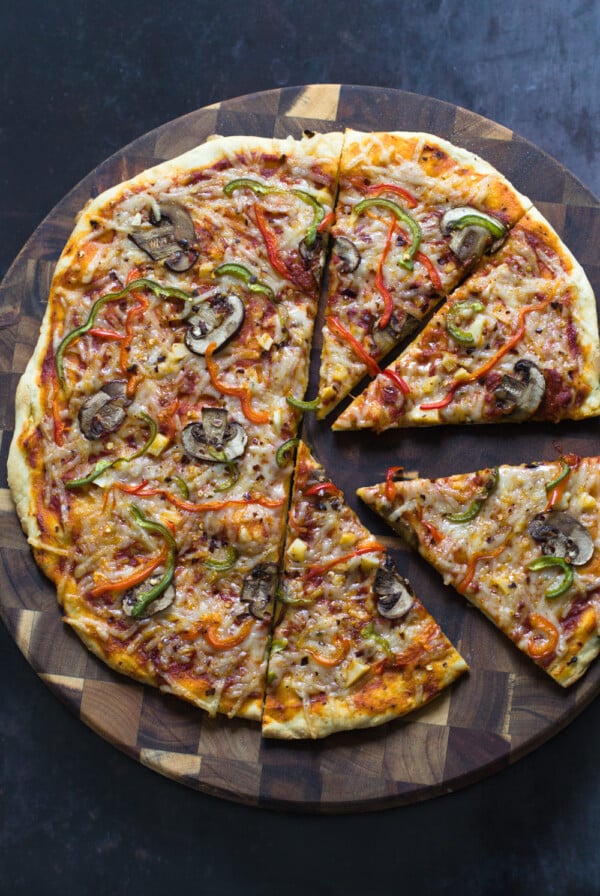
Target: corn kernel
[[297, 550], [347, 539]]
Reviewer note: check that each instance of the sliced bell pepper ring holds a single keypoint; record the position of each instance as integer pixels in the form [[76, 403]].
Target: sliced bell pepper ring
[[556, 563], [105, 464], [341, 652], [228, 562], [368, 360], [379, 189], [219, 642], [143, 491], [475, 506], [144, 600], [390, 475], [322, 488], [242, 392], [388, 299], [368, 631], [260, 189], [233, 474], [232, 269], [301, 405], [434, 533], [59, 426], [402, 216], [464, 337], [472, 564], [556, 488], [539, 649], [78, 332], [496, 228], [321, 568], [283, 449], [328, 221], [106, 334], [481, 371], [140, 574]]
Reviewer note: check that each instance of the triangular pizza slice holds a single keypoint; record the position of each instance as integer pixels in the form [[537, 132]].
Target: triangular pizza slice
[[522, 543], [353, 647], [518, 340], [413, 215]]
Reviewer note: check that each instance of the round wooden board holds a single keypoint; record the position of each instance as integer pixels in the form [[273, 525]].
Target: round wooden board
[[505, 706]]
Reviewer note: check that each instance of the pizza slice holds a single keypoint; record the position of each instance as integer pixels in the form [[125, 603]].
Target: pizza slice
[[414, 213], [353, 646], [521, 543], [145, 464], [518, 340]]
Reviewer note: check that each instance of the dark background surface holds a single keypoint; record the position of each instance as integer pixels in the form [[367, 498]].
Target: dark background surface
[[77, 82]]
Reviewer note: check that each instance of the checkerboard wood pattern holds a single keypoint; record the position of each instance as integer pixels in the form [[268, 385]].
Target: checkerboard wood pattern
[[505, 706]]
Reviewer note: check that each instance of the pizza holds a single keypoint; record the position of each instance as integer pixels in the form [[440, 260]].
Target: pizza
[[521, 543], [414, 214], [157, 419], [145, 465], [518, 340], [353, 646]]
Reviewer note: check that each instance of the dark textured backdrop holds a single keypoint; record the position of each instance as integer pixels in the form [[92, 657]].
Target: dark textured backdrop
[[77, 82]]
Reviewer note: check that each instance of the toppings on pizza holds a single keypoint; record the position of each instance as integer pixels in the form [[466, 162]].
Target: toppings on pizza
[[531, 569], [170, 237], [353, 646], [158, 418], [406, 233], [517, 341], [214, 322]]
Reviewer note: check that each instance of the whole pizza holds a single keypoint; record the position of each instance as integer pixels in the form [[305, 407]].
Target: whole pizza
[[195, 543]]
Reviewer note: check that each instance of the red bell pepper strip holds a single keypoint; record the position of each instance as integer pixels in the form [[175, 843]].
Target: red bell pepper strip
[[481, 371], [242, 392], [378, 189], [321, 568], [371, 364]]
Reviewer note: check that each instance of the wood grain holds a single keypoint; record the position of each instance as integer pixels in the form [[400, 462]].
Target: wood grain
[[505, 707]]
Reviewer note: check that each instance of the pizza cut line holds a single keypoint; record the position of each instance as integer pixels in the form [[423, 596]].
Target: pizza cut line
[[157, 420]]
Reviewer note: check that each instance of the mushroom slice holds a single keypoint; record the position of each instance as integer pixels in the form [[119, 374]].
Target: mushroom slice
[[520, 397], [562, 536], [395, 596], [132, 598], [348, 254], [104, 411], [473, 232], [170, 238], [258, 589], [214, 439], [215, 320]]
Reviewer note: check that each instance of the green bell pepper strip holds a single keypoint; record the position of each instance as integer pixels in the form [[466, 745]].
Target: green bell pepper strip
[[261, 189], [472, 218], [283, 450], [548, 562], [475, 506], [566, 469], [141, 283], [368, 631], [462, 336], [303, 405], [284, 598], [183, 486], [238, 270], [105, 464], [278, 644], [156, 528], [403, 217], [234, 475], [231, 556]]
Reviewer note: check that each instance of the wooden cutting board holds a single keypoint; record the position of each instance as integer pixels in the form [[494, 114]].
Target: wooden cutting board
[[505, 706]]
